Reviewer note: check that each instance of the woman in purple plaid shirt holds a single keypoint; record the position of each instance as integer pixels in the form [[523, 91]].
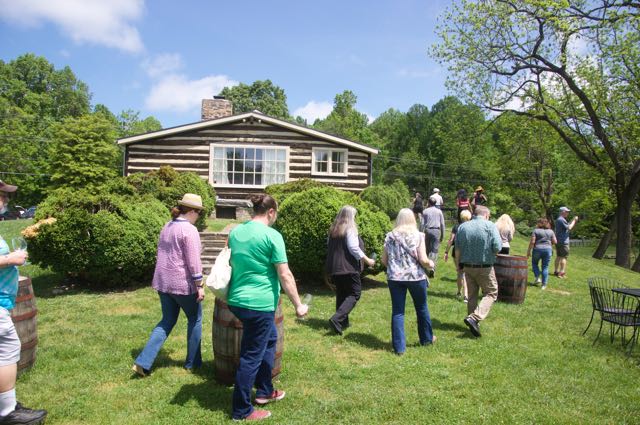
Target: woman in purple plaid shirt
[[178, 280]]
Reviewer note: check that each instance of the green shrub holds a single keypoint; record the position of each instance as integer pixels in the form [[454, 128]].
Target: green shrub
[[304, 219], [101, 239], [169, 186], [524, 229], [280, 192], [389, 198]]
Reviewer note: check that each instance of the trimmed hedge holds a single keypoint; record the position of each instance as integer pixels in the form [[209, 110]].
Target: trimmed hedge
[[280, 192], [304, 220], [389, 198], [169, 186], [101, 239]]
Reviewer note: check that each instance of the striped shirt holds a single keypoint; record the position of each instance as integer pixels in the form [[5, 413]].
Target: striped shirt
[[178, 265]]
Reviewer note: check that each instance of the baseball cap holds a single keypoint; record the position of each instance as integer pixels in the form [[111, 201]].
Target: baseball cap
[[8, 188], [436, 190], [564, 209]]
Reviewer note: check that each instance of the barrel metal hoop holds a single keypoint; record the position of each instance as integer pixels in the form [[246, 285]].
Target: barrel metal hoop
[[28, 315]]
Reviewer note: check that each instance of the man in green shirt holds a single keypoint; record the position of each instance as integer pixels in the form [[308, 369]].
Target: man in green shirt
[[259, 266]]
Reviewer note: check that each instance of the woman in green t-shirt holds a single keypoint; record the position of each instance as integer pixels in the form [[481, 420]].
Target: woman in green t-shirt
[[259, 265]]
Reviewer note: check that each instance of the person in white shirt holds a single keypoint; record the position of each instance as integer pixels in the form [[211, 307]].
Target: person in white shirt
[[436, 195]]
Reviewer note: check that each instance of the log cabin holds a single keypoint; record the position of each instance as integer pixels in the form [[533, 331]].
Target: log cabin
[[242, 154]]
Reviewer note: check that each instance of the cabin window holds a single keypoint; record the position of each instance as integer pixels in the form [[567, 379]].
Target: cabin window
[[247, 165], [329, 161]]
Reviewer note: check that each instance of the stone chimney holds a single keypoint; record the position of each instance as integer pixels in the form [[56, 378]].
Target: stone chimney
[[218, 107]]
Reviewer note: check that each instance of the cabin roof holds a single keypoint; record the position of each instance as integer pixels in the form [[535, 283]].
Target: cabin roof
[[254, 115]]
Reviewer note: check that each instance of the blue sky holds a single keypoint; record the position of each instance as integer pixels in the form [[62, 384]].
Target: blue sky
[[162, 57]]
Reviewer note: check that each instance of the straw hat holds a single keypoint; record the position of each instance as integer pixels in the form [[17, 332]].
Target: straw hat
[[7, 188], [479, 189], [191, 200]]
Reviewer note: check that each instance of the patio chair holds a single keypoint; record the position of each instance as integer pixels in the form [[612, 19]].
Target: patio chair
[[618, 310], [596, 302]]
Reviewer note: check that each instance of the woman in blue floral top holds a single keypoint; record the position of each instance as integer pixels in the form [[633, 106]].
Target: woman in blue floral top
[[406, 257]]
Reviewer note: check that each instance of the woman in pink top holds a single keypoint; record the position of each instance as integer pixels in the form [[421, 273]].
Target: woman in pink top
[[178, 280]]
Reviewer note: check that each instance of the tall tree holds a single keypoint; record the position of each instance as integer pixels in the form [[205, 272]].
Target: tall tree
[[573, 65], [346, 121], [262, 95], [33, 96], [84, 154]]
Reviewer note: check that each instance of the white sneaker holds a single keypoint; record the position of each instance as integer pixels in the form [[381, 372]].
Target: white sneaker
[[538, 281]]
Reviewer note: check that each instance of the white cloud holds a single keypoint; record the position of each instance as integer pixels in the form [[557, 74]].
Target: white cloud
[[164, 63], [314, 110], [418, 73], [177, 93], [102, 22]]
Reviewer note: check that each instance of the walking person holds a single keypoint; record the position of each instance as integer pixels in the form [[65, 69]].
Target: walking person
[[563, 227], [507, 229], [462, 202], [465, 216], [418, 207], [477, 243], [11, 410], [542, 240], [478, 198], [436, 195], [345, 255], [259, 266], [178, 280], [433, 228], [405, 257]]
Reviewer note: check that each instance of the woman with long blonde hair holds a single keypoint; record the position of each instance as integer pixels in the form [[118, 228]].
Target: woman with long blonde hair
[[405, 256], [507, 229], [345, 255]]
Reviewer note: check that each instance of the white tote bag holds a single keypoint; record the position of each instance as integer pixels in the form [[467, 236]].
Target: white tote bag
[[218, 280]]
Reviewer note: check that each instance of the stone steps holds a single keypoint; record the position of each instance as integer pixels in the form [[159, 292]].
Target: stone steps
[[212, 243]]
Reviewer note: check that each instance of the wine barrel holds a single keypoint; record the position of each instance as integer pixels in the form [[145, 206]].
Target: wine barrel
[[511, 273], [227, 334], [24, 316]]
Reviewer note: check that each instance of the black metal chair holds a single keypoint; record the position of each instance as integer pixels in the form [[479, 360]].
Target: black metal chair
[[597, 301], [618, 310]]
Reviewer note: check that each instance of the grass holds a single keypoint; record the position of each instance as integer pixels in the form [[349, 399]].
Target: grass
[[531, 366], [218, 224]]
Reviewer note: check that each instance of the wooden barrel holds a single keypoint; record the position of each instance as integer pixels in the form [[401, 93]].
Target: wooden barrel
[[511, 273], [24, 316], [227, 334]]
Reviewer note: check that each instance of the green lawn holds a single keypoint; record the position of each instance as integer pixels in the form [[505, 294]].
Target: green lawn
[[218, 224], [531, 366]]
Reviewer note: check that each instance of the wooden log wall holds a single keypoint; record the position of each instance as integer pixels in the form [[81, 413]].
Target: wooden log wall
[[190, 151]]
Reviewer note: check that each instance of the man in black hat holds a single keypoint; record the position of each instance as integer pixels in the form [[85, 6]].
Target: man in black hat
[[11, 411]]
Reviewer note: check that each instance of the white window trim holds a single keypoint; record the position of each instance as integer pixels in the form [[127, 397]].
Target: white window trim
[[328, 172], [241, 145]]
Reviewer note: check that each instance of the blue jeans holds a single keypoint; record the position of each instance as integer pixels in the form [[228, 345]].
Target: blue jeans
[[171, 305], [257, 354], [543, 254], [418, 291]]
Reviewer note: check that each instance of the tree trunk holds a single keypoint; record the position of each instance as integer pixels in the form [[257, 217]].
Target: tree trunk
[[636, 265], [623, 228], [606, 240]]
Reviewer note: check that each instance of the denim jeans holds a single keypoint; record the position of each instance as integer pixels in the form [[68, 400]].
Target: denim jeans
[[171, 305], [348, 291], [257, 354], [543, 254], [418, 291]]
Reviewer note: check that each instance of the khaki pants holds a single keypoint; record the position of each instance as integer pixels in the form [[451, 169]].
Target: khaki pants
[[485, 279]]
